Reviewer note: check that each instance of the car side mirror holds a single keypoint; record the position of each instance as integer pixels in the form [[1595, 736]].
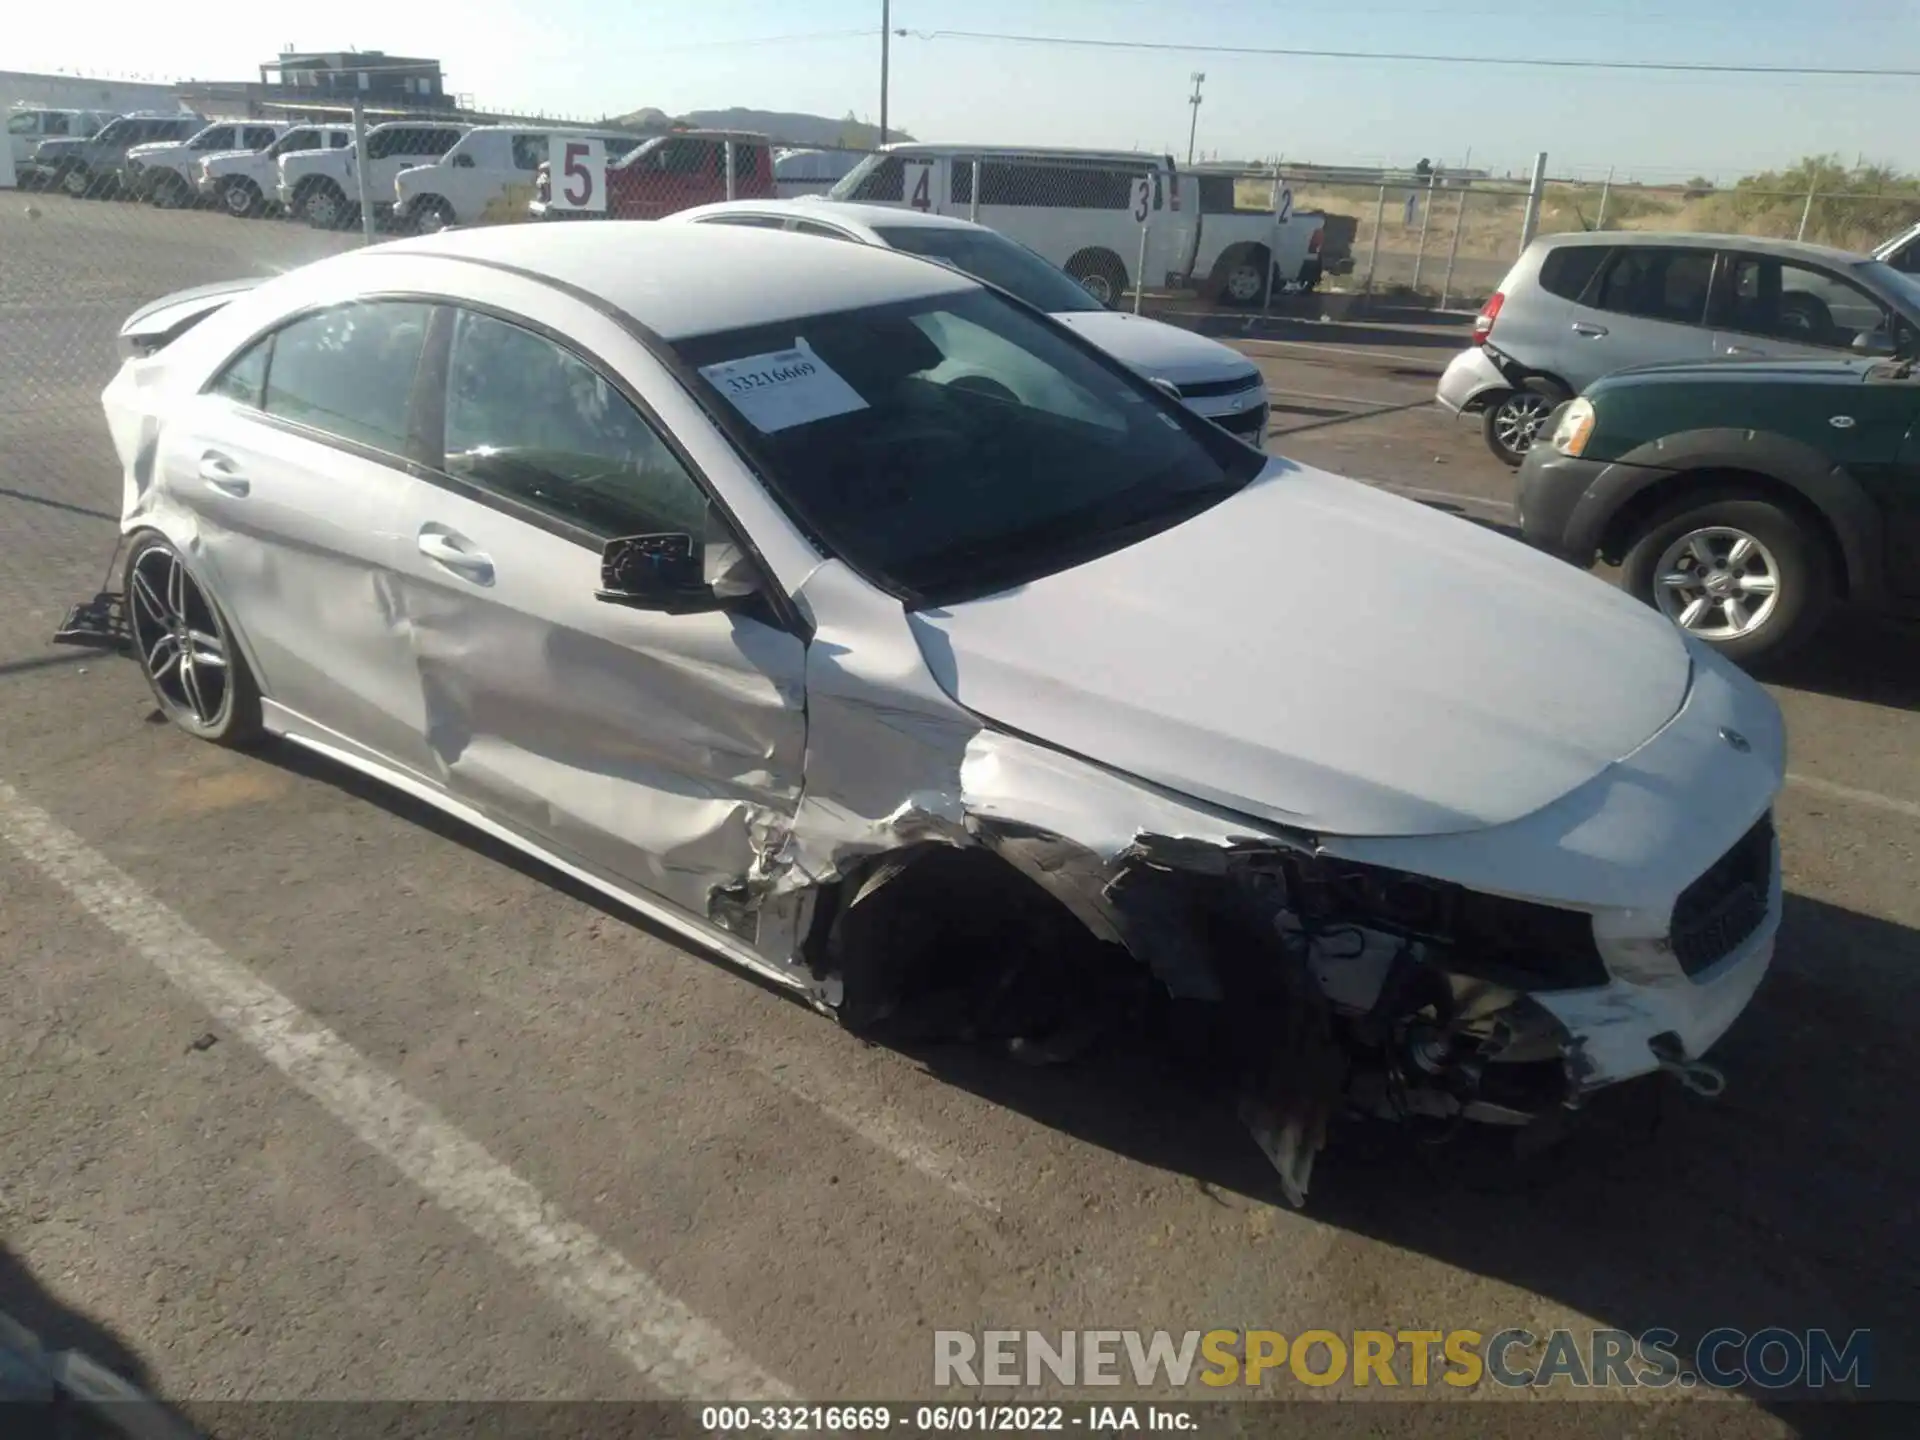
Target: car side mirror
[[675, 574], [1877, 343]]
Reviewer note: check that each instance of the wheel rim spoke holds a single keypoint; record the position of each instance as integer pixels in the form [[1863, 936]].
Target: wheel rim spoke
[[190, 683], [1696, 609], [1759, 584], [207, 649], [147, 600], [164, 655]]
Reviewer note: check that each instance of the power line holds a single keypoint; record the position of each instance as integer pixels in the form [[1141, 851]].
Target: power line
[[1686, 67]]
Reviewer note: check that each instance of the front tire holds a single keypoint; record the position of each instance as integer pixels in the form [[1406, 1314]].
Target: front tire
[[76, 181], [430, 215], [195, 671], [1749, 578], [240, 198], [1241, 283], [325, 207], [1512, 421], [1101, 273]]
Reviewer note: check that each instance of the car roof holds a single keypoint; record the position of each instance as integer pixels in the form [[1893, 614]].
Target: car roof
[[850, 213], [1690, 239], [1020, 152], [682, 280]]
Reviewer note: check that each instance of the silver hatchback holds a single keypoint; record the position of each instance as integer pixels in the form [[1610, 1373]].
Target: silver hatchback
[[1580, 306]]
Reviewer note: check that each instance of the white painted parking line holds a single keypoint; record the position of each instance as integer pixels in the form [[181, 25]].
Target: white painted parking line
[[1891, 803], [878, 1123], [677, 1352]]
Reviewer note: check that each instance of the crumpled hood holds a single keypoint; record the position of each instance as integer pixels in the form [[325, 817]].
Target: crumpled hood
[[1156, 348], [1324, 655]]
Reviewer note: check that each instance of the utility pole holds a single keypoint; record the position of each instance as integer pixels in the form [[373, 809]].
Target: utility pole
[[1193, 126], [885, 40]]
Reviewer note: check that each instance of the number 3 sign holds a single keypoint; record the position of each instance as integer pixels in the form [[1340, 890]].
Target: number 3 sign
[[1141, 200], [576, 173]]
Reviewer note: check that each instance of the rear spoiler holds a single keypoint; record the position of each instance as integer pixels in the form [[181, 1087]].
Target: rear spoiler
[[157, 324]]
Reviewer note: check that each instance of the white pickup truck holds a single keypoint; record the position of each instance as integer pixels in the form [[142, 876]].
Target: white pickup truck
[[1081, 210], [322, 187], [163, 172], [244, 182]]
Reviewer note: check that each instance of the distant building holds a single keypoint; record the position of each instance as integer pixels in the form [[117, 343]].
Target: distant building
[[83, 92], [373, 77], [323, 85]]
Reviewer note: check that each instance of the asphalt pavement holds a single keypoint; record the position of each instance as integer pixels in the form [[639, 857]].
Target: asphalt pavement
[[306, 1093]]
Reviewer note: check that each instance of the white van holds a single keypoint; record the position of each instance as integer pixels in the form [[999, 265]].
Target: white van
[[1077, 208], [487, 178], [811, 172]]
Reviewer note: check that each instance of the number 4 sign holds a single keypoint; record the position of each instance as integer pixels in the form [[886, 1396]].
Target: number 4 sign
[[917, 176], [576, 173]]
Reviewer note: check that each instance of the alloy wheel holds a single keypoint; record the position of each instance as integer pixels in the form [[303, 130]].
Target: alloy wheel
[[180, 640], [1717, 582], [322, 211], [1518, 420], [1243, 284]]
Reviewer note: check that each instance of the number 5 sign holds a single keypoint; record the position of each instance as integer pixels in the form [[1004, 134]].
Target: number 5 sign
[[576, 173]]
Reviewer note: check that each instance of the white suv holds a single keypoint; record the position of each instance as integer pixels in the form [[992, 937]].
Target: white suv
[[240, 182], [323, 188], [163, 172], [488, 177]]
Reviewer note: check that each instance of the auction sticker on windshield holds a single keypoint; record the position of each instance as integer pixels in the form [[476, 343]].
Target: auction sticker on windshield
[[784, 388]]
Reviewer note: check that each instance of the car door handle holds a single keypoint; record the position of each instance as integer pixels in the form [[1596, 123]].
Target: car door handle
[[1745, 350], [219, 472], [1592, 332], [458, 555]]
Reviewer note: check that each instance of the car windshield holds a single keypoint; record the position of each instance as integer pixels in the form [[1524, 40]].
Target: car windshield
[[996, 260], [958, 444]]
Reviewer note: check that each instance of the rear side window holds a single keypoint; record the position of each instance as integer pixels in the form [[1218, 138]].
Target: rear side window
[[886, 181], [1567, 268], [349, 371], [1656, 283], [753, 222], [1077, 187]]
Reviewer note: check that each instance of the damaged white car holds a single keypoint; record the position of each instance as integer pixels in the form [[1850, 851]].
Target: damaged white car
[[790, 592]]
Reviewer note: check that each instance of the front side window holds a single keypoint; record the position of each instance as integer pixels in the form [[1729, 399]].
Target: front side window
[[339, 140], [116, 132], [532, 422], [1786, 301], [24, 125], [256, 137], [825, 232], [218, 137], [297, 140], [349, 371], [1657, 283], [957, 444], [529, 152], [879, 179], [63, 125], [997, 260]]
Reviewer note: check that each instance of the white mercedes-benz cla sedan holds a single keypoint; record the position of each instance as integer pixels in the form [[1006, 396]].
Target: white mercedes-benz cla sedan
[[815, 600]]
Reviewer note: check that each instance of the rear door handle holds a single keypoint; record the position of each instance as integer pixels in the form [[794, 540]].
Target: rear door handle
[[457, 554], [1744, 350], [219, 472], [1592, 332]]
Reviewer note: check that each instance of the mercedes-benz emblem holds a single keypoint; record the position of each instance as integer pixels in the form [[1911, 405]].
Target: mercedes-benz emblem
[[1735, 739]]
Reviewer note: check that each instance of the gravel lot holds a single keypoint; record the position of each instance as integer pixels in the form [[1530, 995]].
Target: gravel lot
[[712, 1158]]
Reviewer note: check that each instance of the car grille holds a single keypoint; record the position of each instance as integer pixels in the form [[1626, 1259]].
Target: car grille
[[1719, 911], [1247, 424], [1206, 389]]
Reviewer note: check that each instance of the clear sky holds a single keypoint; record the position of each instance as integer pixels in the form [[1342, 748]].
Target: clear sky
[[590, 57]]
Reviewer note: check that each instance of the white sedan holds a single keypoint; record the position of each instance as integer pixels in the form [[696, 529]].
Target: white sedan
[[819, 602], [1212, 379]]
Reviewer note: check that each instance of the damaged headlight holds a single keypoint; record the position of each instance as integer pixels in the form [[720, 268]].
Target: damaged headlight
[[1514, 943]]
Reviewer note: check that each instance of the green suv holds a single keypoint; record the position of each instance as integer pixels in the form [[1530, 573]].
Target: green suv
[[1742, 500]]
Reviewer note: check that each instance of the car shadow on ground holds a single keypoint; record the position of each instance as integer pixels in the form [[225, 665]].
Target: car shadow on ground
[[1789, 1201], [1871, 658], [1793, 1200]]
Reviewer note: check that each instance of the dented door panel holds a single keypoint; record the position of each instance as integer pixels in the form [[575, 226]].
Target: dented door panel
[[663, 749]]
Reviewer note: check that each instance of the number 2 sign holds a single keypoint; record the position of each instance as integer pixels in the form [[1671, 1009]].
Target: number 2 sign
[[576, 173], [917, 178]]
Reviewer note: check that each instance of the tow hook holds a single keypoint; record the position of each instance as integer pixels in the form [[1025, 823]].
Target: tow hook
[[1707, 1081]]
